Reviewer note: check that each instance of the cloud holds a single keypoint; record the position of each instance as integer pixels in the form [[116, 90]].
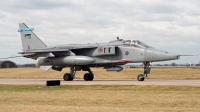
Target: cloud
[[170, 25]]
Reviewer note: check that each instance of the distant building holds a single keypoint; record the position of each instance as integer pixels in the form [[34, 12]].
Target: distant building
[[7, 64], [174, 64]]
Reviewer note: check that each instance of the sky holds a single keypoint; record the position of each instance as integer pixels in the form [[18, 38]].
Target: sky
[[169, 25]]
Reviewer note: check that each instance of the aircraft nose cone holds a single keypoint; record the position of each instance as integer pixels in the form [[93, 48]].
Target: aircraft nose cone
[[164, 56]]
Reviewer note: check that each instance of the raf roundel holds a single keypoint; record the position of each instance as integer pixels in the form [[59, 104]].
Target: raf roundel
[[126, 53]]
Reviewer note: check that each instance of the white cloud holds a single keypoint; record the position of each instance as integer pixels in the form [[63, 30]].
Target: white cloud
[[171, 25]]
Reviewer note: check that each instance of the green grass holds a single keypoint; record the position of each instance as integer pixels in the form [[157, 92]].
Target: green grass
[[112, 98]]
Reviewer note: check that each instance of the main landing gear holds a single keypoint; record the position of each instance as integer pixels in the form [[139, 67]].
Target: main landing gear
[[88, 76], [70, 76], [147, 70]]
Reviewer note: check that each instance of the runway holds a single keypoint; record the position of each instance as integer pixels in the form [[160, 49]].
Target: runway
[[104, 82]]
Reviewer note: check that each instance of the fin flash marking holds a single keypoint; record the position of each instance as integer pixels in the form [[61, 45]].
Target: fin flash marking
[[25, 29]]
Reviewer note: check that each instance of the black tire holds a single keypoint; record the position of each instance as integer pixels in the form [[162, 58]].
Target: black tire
[[91, 77], [67, 77], [88, 77], [140, 77]]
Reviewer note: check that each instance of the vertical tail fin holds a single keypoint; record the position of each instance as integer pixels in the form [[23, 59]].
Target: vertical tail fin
[[29, 39]]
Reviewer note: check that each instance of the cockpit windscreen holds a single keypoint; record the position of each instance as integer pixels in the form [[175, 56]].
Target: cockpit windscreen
[[135, 43]]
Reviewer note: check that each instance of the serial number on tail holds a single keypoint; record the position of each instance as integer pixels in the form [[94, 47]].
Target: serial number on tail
[[25, 29]]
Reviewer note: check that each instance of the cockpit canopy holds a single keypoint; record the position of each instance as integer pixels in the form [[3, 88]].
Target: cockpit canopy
[[135, 43]]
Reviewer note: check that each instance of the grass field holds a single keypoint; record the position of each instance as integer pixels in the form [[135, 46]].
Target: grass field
[[96, 98], [127, 73]]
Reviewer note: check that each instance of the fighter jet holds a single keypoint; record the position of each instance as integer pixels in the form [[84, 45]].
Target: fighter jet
[[78, 57]]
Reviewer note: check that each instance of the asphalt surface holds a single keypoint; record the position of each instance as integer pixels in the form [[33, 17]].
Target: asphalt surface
[[104, 82]]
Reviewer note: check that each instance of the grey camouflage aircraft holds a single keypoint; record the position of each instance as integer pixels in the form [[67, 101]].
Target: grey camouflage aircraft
[[83, 56]]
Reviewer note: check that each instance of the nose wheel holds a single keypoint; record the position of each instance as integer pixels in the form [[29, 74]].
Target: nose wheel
[[140, 77], [147, 70]]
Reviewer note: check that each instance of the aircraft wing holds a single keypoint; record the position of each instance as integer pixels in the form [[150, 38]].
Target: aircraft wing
[[47, 52], [56, 51], [44, 51], [73, 47], [22, 55]]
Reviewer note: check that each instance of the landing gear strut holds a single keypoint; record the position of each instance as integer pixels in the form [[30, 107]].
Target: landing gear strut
[[147, 70], [70, 76]]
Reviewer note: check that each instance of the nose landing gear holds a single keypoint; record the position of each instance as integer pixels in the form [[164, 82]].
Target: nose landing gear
[[147, 70]]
